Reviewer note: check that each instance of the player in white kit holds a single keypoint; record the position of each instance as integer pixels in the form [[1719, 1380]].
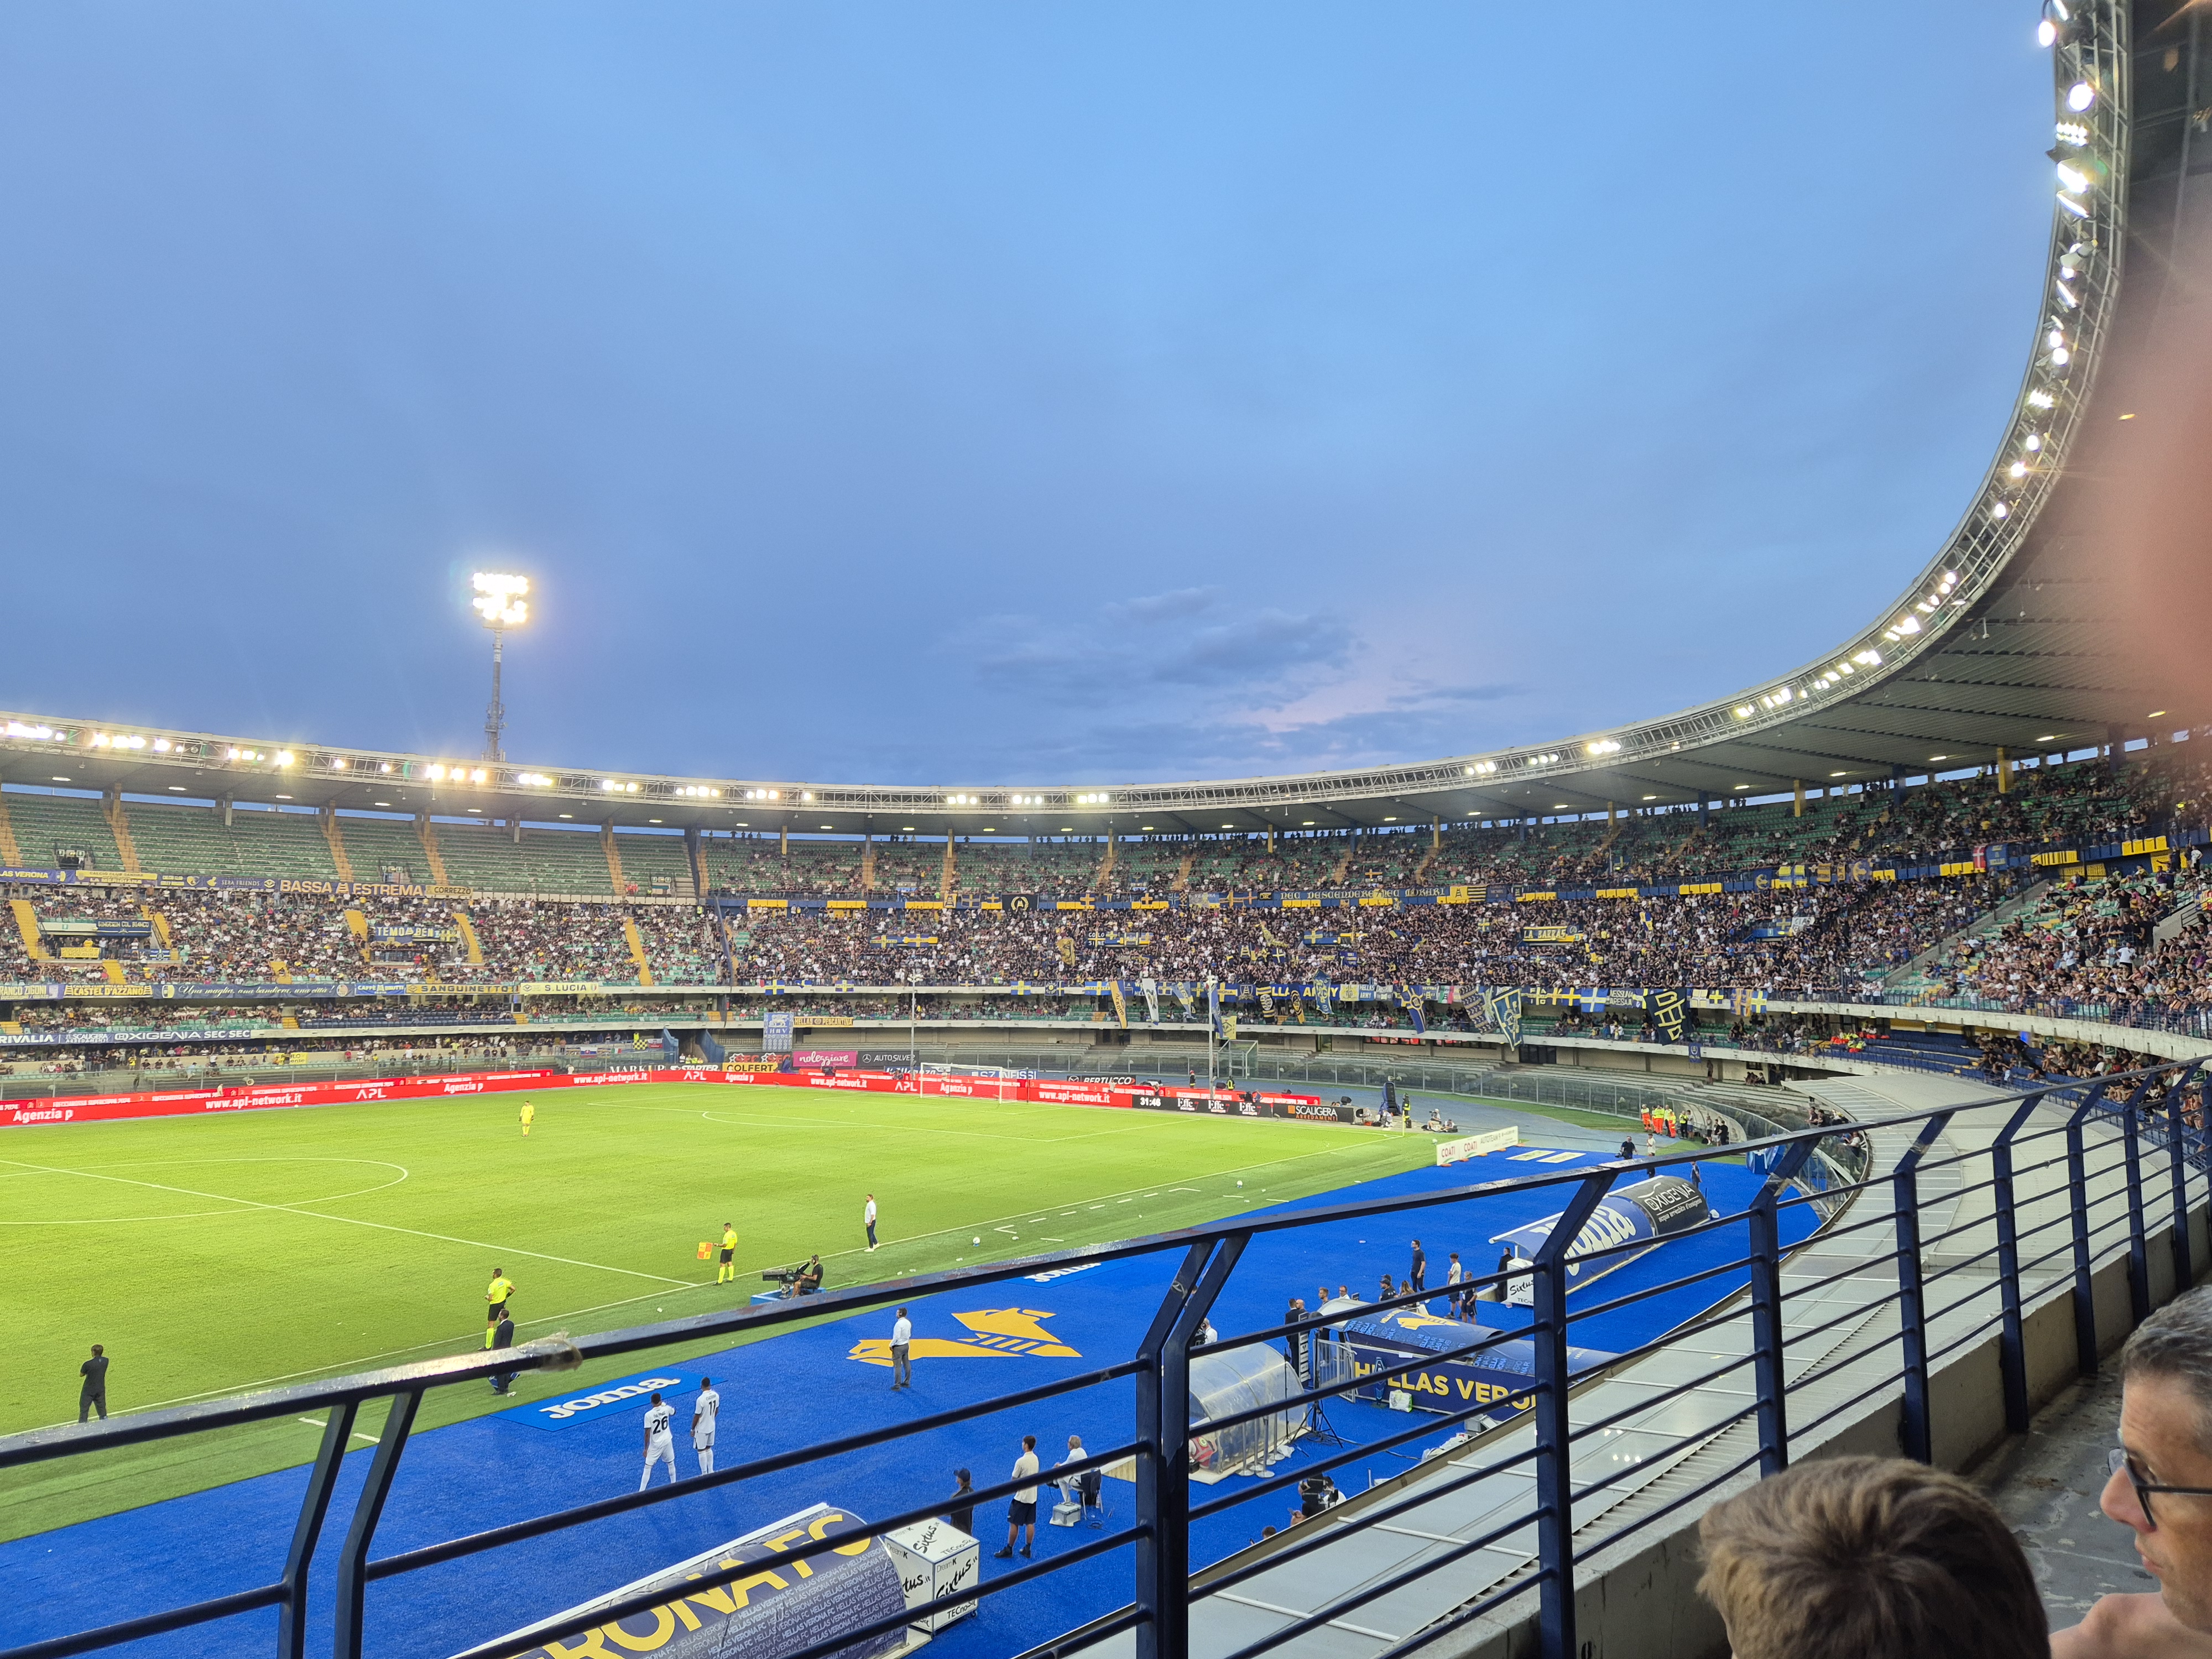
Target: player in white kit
[[659, 1442], [703, 1410]]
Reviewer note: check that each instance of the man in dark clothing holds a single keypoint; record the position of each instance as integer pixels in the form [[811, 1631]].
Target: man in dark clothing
[[502, 1336], [94, 1396], [1417, 1276], [1627, 1148], [962, 1514]]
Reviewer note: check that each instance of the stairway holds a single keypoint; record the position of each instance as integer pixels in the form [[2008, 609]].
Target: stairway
[[429, 836], [335, 837], [868, 865], [111, 808], [614, 857], [160, 926], [8, 851], [1344, 862], [951, 877], [1102, 881], [1182, 882], [1914, 978], [469, 939], [113, 970], [1429, 858], [636, 943], [26, 926]]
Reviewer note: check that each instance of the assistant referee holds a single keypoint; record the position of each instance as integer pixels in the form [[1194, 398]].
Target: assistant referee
[[495, 1301]]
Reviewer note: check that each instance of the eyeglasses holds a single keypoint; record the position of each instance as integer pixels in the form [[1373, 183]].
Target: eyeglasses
[[2118, 1463]]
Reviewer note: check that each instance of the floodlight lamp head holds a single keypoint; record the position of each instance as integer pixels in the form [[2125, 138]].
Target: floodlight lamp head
[[499, 599]]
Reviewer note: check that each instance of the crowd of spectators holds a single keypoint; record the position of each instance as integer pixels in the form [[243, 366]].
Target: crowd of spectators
[[2093, 947], [1782, 939]]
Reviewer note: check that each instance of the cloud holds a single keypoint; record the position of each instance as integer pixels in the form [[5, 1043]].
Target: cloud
[[1258, 657], [1162, 607]]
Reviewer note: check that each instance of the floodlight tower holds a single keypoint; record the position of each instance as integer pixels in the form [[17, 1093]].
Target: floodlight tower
[[499, 600]]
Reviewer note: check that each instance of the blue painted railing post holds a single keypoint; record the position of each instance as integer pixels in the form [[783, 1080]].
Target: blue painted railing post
[[1914, 1432], [1163, 1477], [1555, 1527], [2177, 1153], [307, 1532], [1769, 1375], [2138, 1233], [2077, 1204], [353, 1559], [2012, 1345]]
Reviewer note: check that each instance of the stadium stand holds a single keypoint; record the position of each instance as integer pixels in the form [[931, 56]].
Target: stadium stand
[[257, 842], [50, 827]]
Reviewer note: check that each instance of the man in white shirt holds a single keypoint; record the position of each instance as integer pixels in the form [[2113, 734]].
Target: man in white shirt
[[659, 1442], [704, 1410], [901, 1335], [1071, 1489], [868, 1216], [1022, 1512]]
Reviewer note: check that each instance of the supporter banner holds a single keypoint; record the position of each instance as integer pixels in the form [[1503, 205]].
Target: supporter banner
[[822, 1019], [96, 992], [1551, 935], [385, 933], [775, 1032], [562, 987]]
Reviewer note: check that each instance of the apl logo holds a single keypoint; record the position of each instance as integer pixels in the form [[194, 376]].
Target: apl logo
[[992, 1334]]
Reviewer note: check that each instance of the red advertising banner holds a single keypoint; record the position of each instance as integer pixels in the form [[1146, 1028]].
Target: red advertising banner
[[154, 1103]]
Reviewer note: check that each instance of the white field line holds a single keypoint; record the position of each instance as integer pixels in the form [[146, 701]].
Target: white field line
[[556, 1320], [352, 1221]]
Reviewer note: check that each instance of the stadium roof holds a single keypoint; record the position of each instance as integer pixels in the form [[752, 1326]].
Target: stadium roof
[[2072, 605]]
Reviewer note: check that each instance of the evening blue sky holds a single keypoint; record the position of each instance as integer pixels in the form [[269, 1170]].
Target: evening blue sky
[[991, 393]]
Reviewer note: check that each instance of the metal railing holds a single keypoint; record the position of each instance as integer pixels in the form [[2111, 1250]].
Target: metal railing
[[2065, 1176]]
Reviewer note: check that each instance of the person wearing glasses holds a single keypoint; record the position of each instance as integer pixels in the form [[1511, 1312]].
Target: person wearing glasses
[[2161, 1486]]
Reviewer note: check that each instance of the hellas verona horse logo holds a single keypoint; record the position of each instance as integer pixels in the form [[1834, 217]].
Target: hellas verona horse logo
[[992, 1334]]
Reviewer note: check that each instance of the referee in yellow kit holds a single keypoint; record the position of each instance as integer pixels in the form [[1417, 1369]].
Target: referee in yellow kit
[[495, 1301], [726, 1274]]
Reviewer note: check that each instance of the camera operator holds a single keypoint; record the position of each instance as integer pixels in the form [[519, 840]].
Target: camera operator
[[809, 1282]]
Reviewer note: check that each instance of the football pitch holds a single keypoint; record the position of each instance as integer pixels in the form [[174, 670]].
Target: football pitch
[[217, 1255]]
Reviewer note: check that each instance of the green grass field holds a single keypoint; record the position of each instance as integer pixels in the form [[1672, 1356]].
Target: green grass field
[[216, 1255]]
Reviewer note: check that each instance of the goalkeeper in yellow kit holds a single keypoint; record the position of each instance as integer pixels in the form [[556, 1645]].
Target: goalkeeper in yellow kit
[[529, 1115]]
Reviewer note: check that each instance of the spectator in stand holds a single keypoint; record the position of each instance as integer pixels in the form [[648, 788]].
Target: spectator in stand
[[1864, 1558], [2160, 1488]]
